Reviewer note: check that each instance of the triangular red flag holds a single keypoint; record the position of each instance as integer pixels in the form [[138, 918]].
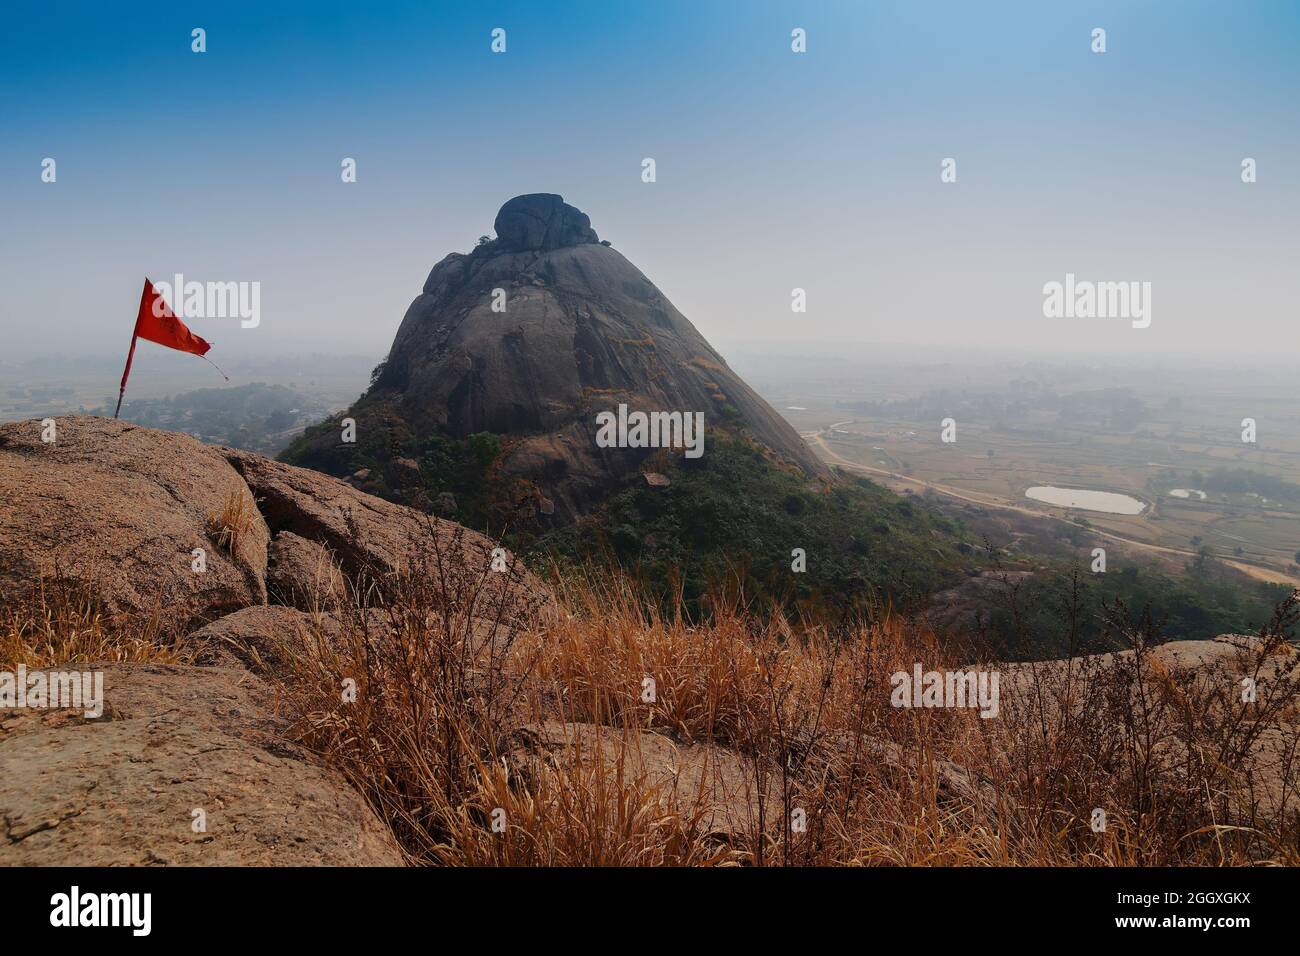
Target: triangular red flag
[[156, 322]]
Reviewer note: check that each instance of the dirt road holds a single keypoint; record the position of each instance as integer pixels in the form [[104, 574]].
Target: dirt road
[[818, 440]]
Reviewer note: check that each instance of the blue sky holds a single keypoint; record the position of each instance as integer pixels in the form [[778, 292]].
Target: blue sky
[[775, 170]]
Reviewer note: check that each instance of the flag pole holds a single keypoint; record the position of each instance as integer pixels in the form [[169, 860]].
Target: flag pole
[[135, 333], [125, 372]]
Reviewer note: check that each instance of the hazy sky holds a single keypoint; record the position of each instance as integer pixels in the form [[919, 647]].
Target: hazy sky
[[775, 170]]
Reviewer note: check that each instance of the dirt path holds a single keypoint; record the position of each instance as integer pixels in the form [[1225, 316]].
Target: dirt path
[[1261, 573]]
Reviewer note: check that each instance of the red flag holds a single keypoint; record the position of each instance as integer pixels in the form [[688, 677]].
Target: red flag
[[156, 322]]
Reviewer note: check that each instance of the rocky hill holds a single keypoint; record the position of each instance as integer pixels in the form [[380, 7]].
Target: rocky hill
[[530, 336], [488, 410]]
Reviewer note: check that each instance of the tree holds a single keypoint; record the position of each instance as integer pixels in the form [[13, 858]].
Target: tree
[[485, 446]]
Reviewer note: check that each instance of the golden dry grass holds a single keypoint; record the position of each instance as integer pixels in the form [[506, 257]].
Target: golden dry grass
[[59, 623], [228, 527], [805, 715], [437, 710]]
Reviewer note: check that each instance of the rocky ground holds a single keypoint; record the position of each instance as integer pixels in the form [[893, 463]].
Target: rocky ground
[[195, 763], [187, 766], [119, 511]]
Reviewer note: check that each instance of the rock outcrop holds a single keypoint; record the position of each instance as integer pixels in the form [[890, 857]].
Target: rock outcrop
[[120, 511], [117, 514], [375, 538], [534, 333], [1226, 659], [256, 637], [123, 788], [304, 574], [541, 222], [1207, 676]]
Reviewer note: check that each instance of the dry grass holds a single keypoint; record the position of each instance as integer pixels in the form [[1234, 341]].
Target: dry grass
[[483, 744], [833, 774], [228, 528], [59, 623]]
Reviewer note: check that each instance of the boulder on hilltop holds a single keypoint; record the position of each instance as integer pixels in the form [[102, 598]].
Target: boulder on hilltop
[[541, 221], [120, 510]]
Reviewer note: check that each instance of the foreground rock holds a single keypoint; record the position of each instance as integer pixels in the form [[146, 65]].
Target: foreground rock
[[119, 510], [304, 574], [122, 789], [1225, 661], [257, 637], [267, 639], [1200, 681], [373, 538], [690, 778]]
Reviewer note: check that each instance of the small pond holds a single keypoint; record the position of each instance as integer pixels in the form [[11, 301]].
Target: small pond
[[1107, 501]]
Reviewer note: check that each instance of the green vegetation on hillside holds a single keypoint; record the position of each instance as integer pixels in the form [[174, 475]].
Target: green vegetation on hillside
[[459, 468], [732, 520], [733, 516], [1200, 605]]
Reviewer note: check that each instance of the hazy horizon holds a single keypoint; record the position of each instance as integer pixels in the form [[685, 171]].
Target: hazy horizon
[[775, 170]]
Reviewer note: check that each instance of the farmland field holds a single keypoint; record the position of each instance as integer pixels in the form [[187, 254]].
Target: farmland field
[[1014, 428]]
